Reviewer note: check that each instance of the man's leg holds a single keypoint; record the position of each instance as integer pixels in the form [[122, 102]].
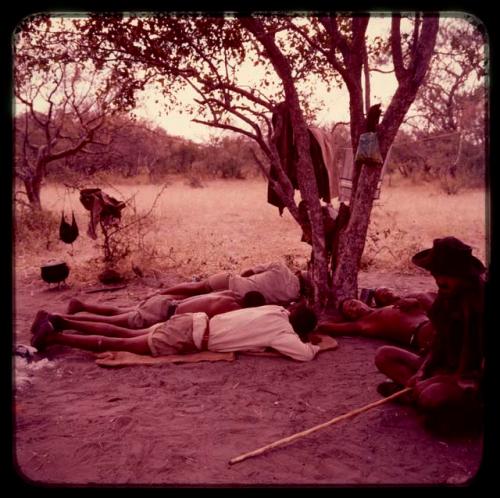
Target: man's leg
[[121, 320], [448, 408], [137, 345], [396, 363], [438, 392], [188, 289], [76, 306], [340, 328], [94, 328]]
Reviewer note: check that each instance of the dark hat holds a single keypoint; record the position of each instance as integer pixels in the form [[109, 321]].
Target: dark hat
[[449, 256]]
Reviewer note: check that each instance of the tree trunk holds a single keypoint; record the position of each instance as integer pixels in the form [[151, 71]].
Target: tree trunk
[[305, 170], [352, 239], [33, 186]]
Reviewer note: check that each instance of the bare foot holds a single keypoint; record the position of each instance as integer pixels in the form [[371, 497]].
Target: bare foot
[[41, 316], [42, 334], [74, 306]]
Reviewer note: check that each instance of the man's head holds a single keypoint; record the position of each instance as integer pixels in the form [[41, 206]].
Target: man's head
[[353, 309], [449, 286], [252, 299], [303, 319], [451, 263], [449, 257]]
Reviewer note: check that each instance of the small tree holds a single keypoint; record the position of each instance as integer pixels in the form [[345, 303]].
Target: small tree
[[63, 103]]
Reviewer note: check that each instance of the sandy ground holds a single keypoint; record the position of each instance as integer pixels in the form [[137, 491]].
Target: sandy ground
[[77, 423]]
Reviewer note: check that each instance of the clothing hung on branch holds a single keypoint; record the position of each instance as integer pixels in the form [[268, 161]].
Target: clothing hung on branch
[[347, 172], [322, 154], [103, 208]]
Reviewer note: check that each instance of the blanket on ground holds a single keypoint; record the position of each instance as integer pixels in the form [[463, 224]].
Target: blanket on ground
[[125, 359]]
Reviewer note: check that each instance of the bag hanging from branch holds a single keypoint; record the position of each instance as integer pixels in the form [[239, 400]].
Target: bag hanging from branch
[[68, 233], [368, 150]]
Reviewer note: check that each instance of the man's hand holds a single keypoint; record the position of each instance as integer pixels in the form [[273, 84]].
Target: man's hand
[[415, 379], [314, 339], [468, 384]]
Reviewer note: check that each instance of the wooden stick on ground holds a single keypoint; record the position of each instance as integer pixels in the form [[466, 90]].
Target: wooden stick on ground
[[298, 435]]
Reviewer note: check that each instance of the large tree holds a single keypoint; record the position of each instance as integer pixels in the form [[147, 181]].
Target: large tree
[[208, 54]]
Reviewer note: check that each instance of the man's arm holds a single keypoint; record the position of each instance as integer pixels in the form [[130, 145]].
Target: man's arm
[[291, 345], [256, 269], [422, 372]]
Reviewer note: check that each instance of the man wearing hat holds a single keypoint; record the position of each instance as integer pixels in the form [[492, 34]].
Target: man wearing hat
[[449, 376]]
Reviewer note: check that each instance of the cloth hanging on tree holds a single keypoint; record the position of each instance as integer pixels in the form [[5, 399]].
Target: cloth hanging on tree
[[103, 208], [347, 172], [287, 151], [328, 151]]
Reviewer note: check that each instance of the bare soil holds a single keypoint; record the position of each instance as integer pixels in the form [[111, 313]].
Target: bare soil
[[77, 423]]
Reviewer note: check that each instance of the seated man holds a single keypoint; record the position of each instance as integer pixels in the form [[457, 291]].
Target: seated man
[[405, 322], [158, 309], [277, 283], [446, 381], [249, 329]]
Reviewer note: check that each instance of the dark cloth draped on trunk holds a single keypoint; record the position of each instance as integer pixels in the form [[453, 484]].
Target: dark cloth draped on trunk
[[288, 154]]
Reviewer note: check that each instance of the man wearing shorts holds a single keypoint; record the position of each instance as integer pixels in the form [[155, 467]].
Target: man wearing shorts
[[250, 329], [275, 281], [158, 309], [405, 322]]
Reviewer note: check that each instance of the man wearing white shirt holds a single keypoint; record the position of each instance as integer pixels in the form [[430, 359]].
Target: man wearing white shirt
[[277, 283], [249, 329]]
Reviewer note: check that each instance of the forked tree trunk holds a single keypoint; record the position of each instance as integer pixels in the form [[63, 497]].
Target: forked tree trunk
[[352, 239]]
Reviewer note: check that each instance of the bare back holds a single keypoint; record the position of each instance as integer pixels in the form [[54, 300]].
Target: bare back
[[212, 304], [388, 322]]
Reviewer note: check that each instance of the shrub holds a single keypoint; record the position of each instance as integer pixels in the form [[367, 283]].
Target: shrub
[[35, 229]]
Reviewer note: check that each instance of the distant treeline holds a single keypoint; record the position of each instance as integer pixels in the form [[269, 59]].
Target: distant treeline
[[134, 147], [130, 148]]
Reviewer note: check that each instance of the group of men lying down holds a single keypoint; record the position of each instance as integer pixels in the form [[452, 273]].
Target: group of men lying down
[[264, 307]]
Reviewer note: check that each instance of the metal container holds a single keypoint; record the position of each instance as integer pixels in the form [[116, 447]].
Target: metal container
[[56, 272]]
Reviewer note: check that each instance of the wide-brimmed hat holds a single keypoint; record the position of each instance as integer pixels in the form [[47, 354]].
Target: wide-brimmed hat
[[451, 257]]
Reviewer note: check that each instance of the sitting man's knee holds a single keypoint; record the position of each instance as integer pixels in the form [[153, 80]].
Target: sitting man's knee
[[384, 355], [439, 396]]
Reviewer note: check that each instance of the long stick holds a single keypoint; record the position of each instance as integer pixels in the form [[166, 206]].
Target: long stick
[[298, 435]]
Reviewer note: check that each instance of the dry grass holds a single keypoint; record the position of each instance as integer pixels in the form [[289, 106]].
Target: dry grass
[[228, 225]]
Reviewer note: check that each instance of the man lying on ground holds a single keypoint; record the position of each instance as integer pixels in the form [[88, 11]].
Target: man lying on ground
[[249, 329], [158, 309], [383, 296], [405, 322], [275, 281], [446, 381]]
